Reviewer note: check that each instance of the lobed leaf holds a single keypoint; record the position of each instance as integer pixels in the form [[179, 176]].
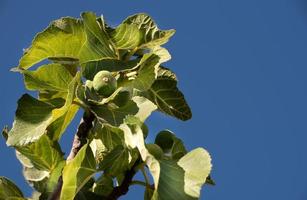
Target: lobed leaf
[[127, 36], [64, 115], [32, 119], [52, 77], [182, 180], [165, 94], [77, 173], [151, 36], [91, 68], [69, 40], [43, 154], [115, 116], [145, 73]]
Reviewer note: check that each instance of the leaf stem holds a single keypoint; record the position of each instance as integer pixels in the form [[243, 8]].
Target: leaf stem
[[137, 182], [82, 105], [131, 53], [145, 175], [124, 187]]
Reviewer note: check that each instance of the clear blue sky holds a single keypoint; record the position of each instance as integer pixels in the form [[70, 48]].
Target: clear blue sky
[[242, 65]]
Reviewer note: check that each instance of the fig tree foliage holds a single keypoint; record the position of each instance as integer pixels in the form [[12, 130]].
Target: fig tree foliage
[[117, 76]]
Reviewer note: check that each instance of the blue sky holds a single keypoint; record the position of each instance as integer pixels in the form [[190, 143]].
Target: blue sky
[[242, 65]]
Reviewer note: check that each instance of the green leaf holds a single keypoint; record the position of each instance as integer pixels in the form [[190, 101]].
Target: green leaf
[[5, 132], [110, 136], [115, 162], [92, 97], [145, 106], [64, 115], [31, 121], [69, 40], [34, 116], [151, 36], [173, 180], [197, 167], [162, 53], [90, 69], [43, 163], [58, 127], [26, 162], [86, 192], [166, 73], [9, 191], [43, 154], [134, 138], [35, 175], [115, 116], [165, 94], [155, 150], [104, 185], [123, 97], [52, 97], [170, 144], [210, 181], [62, 39], [54, 77], [77, 173], [47, 185], [98, 44], [127, 36], [146, 72], [183, 179]]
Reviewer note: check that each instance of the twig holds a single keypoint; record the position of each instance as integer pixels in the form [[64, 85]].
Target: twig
[[124, 187]]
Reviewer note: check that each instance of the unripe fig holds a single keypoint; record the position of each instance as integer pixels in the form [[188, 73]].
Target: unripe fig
[[104, 83]]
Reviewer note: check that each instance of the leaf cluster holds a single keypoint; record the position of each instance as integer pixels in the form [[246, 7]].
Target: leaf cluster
[[76, 50]]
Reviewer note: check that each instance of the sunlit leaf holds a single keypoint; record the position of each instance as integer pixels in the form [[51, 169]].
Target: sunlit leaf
[[69, 39], [31, 121], [183, 180], [127, 36], [77, 172], [197, 166], [43, 154], [151, 35], [145, 106], [53, 77], [146, 72]]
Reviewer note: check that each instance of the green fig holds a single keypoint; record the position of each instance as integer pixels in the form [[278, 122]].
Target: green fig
[[104, 83], [89, 84]]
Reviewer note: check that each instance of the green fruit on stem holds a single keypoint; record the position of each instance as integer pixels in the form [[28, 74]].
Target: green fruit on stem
[[89, 84], [104, 83]]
